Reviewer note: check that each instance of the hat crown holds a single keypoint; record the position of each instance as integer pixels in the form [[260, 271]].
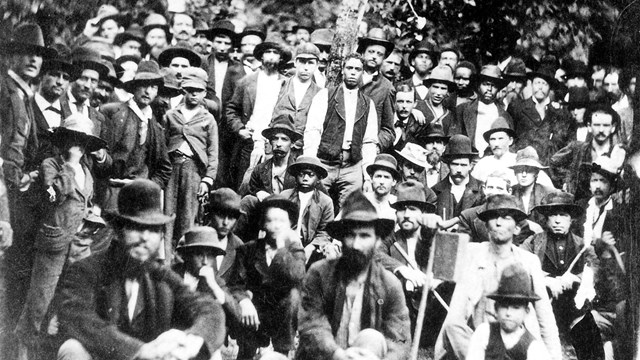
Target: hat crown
[[425, 45], [308, 49], [578, 95], [358, 208], [377, 34], [386, 160], [528, 153], [491, 71], [410, 190], [194, 76], [459, 145], [558, 198], [515, 282], [155, 19], [170, 79], [546, 70], [139, 198], [283, 121], [415, 154], [223, 25], [200, 236], [516, 67], [225, 198], [435, 129], [502, 201], [310, 161], [500, 123], [28, 34], [441, 72], [322, 37], [78, 122]]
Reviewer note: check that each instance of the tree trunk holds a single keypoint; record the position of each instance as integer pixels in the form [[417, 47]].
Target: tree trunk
[[345, 40]]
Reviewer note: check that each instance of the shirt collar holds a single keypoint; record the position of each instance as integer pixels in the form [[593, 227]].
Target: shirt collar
[[464, 183], [545, 102], [144, 114], [43, 104], [21, 83]]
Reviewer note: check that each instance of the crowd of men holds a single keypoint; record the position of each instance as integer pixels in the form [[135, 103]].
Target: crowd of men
[[166, 190]]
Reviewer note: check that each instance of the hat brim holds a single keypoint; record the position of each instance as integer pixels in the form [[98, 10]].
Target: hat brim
[[529, 163], [517, 215], [227, 209], [216, 250], [612, 177], [270, 132], [487, 134], [212, 33], [164, 27], [574, 211], [148, 219], [96, 66], [553, 83], [338, 229], [371, 169], [122, 38], [449, 157], [91, 143], [165, 57], [131, 85], [363, 43], [63, 66], [285, 56], [513, 297], [432, 53], [429, 82], [257, 33], [422, 205], [412, 160], [500, 83], [515, 77], [295, 168], [13, 47]]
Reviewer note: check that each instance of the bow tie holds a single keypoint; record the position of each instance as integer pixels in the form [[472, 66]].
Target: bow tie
[[400, 124]]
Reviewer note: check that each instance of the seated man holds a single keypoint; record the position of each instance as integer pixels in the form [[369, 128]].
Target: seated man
[[352, 306], [384, 176]]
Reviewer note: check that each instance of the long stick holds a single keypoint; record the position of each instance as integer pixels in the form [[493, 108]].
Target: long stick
[[415, 346], [575, 260]]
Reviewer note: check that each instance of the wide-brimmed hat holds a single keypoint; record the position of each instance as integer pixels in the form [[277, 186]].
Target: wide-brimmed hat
[[412, 193], [435, 132], [604, 166], [140, 202], [202, 237], [307, 50], [135, 33], [122, 19], [322, 38], [546, 72], [78, 129], [500, 124], [501, 205], [426, 46], [441, 74], [308, 162], [112, 76], [414, 154], [576, 68], [577, 97], [459, 146], [280, 202], [516, 70], [165, 57], [282, 124], [515, 284], [61, 63], [559, 201], [221, 27], [225, 200], [376, 36], [89, 59], [148, 74], [171, 86], [528, 157], [357, 211], [273, 41], [384, 162], [493, 74], [28, 39]]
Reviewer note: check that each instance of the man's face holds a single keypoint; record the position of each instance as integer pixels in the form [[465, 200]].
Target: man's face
[[305, 67], [382, 182], [499, 143], [408, 218], [459, 170], [53, 84], [271, 59], [193, 96], [83, 88], [144, 95], [463, 78], [281, 145], [141, 242], [526, 175], [101, 95], [511, 316], [559, 222], [597, 79], [515, 87], [410, 170], [601, 127], [437, 93], [391, 66], [323, 59], [494, 186], [502, 229], [306, 179], [182, 27], [488, 91], [422, 64], [600, 187], [110, 29], [198, 258], [540, 88], [201, 44], [222, 46], [302, 35], [373, 56], [362, 239], [449, 58], [611, 86], [178, 65], [248, 43], [131, 47], [223, 223], [578, 114], [276, 222], [436, 145], [352, 73], [156, 38], [578, 81], [405, 102], [27, 66]]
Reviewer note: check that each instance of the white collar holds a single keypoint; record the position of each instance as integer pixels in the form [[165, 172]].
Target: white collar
[[144, 114], [43, 103]]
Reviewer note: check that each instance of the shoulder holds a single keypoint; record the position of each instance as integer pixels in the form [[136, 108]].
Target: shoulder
[[112, 107], [322, 269]]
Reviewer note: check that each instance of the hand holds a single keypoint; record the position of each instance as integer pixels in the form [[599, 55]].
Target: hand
[[188, 349], [245, 134], [431, 221], [331, 250], [607, 238], [52, 194], [366, 186], [249, 314], [567, 280], [554, 285], [261, 195], [90, 27], [257, 155], [203, 190], [416, 277], [419, 116]]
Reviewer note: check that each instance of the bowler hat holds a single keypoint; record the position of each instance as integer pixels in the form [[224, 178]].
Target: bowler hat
[[221, 27], [28, 39], [201, 237], [411, 193], [78, 129], [140, 202], [307, 50], [441, 74], [516, 70], [493, 74], [226, 200], [280, 202], [528, 157], [282, 124], [89, 59], [308, 162], [515, 284], [357, 211], [384, 162], [546, 72], [376, 36], [62, 64], [165, 57], [322, 38], [500, 124], [148, 74], [273, 41], [414, 154], [578, 97], [459, 146], [425, 46], [604, 166], [500, 205], [559, 201]]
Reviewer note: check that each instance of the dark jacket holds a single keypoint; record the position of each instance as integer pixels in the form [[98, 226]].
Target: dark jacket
[[383, 94], [465, 121], [539, 193], [446, 201], [315, 217], [262, 175], [286, 104], [323, 296], [231, 77], [537, 244], [390, 258]]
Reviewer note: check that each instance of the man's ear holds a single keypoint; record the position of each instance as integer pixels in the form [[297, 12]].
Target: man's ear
[[510, 140], [517, 230]]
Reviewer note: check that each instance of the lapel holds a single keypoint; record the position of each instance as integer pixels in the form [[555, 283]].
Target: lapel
[[291, 94], [529, 110], [468, 198], [470, 117], [266, 173], [261, 259], [544, 244], [140, 302], [229, 258], [64, 106], [116, 298], [338, 99], [252, 90], [41, 122]]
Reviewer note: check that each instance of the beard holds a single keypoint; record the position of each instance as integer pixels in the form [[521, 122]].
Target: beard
[[433, 158], [352, 263]]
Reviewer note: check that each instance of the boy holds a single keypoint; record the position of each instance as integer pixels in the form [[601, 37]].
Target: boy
[[508, 338]]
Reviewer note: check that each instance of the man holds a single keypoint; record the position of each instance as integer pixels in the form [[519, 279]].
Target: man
[[342, 131], [529, 192], [218, 65], [110, 26], [460, 190], [614, 84], [557, 247], [464, 78], [412, 163], [323, 39], [603, 122], [384, 177], [249, 39], [439, 85], [469, 305], [273, 272], [192, 144], [405, 123], [422, 58], [538, 122], [374, 48], [182, 27], [449, 56], [302, 32], [577, 101], [137, 141], [516, 74], [351, 306], [391, 66], [122, 304], [474, 118], [500, 138], [157, 34], [131, 43], [436, 143], [177, 59]]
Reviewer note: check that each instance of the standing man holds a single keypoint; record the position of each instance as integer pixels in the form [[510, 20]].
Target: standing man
[[464, 78], [615, 84], [323, 39], [182, 28], [500, 138], [218, 65], [439, 84], [249, 39], [422, 58]]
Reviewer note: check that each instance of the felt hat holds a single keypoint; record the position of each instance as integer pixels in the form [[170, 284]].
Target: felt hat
[[412, 193], [577, 68], [140, 202], [282, 124], [201, 237], [194, 77], [384, 162], [28, 39], [112, 76], [376, 36], [135, 33], [308, 162], [499, 124], [435, 132], [516, 70], [546, 72], [358, 210], [225, 200], [604, 166], [493, 74], [414, 154], [61, 63], [578, 97], [322, 38], [280, 202], [165, 57], [171, 86], [148, 74], [89, 59], [459, 146], [221, 27], [307, 50], [501, 205], [441, 74], [528, 157], [157, 21], [559, 201], [78, 129], [253, 30], [426, 46], [273, 41], [515, 284]]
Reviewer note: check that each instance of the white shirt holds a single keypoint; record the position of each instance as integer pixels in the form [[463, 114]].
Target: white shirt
[[191, 281], [131, 287], [299, 89], [175, 101], [418, 85], [223, 243], [145, 115], [267, 90], [383, 208], [304, 201], [487, 114], [53, 117], [458, 190], [489, 164], [73, 104], [595, 219], [220, 71]]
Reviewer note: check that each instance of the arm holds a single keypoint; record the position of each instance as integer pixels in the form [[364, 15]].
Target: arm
[[212, 152], [396, 324], [315, 122], [321, 237], [386, 133], [544, 312], [370, 139], [234, 108], [162, 167], [478, 343]]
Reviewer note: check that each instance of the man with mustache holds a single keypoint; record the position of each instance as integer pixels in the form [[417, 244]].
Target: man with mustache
[[614, 85], [391, 67], [412, 166], [565, 170], [404, 121], [122, 304], [182, 27], [352, 308], [323, 39], [384, 176], [499, 137], [249, 39], [528, 190], [422, 58], [435, 144]]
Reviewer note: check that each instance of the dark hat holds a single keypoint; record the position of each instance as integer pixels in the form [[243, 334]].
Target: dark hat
[[602, 107], [157, 21], [226, 200], [221, 27], [307, 27], [604, 166], [78, 129], [384, 162], [576, 68], [308, 162], [578, 97], [435, 132], [546, 72], [148, 74], [322, 38], [112, 76], [559, 201], [500, 205], [515, 284], [493, 74], [414, 154], [126, 58], [89, 59], [61, 63], [171, 86], [376, 36], [201, 237], [412, 193], [273, 41], [140, 202], [135, 33], [441, 74], [500, 124], [282, 124], [120, 18], [528, 157], [358, 210], [165, 57], [459, 146], [253, 30], [307, 50], [280, 202], [516, 70], [27, 38]]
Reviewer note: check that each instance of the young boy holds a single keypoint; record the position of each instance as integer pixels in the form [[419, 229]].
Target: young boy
[[508, 338]]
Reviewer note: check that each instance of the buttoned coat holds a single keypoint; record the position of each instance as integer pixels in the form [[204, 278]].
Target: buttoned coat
[[383, 94], [537, 244], [315, 216], [445, 204], [466, 119]]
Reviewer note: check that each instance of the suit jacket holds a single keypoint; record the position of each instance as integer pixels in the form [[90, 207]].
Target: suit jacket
[[539, 193], [315, 216], [537, 244], [470, 198], [466, 119], [233, 74], [323, 297], [262, 175], [287, 105], [96, 117], [391, 259], [45, 148], [383, 94], [94, 307]]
